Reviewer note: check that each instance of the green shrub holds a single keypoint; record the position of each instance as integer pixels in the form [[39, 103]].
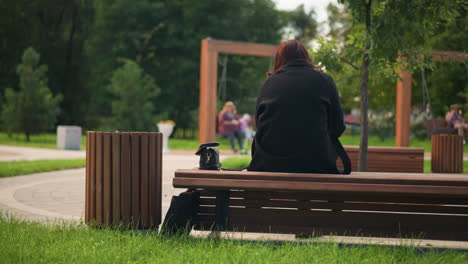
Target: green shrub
[[33, 109], [134, 92]]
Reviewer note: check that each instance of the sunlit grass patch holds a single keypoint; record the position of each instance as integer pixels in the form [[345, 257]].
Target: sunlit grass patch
[[13, 168], [32, 242]]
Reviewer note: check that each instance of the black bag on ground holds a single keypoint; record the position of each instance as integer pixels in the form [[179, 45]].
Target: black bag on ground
[[183, 208]]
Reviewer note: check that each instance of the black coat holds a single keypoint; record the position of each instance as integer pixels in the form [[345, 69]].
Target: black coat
[[297, 113]]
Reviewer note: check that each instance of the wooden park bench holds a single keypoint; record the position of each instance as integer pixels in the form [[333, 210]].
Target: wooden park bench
[[389, 159], [403, 205], [440, 126]]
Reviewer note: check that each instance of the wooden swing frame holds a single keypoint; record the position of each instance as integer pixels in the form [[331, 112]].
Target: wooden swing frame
[[403, 97], [210, 48]]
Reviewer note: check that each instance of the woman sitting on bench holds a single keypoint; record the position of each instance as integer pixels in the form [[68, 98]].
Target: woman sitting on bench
[[298, 116], [455, 120]]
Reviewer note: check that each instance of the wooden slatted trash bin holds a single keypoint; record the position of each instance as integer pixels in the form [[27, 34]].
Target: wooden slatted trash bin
[[124, 178], [447, 153]]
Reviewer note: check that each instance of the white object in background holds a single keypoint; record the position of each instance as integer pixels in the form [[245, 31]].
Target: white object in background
[[166, 130], [69, 137]]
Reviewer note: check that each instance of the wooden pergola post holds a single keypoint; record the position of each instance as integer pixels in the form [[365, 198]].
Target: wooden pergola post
[[403, 97], [210, 49], [403, 108], [208, 95]]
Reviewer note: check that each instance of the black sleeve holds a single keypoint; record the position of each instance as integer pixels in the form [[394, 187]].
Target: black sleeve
[[336, 122]]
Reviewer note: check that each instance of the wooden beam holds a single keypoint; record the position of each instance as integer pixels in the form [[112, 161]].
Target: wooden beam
[[449, 56], [210, 49], [403, 109], [242, 48], [208, 80]]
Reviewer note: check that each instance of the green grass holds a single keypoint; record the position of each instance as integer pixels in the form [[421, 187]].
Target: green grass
[[13, 168], [235, 162], [427, 166], [31, 242], [49, 141], [242, 162], [36, 141], [192, 144]]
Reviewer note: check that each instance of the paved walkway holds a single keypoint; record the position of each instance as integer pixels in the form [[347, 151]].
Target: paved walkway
[[10, 153], [60, 195]]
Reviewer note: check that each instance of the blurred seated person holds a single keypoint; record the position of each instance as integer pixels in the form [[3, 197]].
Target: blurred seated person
[[230, 122], [455, 120]]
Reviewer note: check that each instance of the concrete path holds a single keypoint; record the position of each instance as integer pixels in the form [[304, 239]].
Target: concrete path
[[60, 195], [11, 153]]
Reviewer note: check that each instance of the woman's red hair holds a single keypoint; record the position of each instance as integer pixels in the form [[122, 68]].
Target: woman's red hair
[[290, 50]]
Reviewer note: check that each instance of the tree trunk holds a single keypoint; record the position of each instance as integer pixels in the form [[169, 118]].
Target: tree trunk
[[27, 137], [363, 145], [68, 78]]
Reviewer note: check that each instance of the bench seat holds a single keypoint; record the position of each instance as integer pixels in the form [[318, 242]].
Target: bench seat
[[408, 205]]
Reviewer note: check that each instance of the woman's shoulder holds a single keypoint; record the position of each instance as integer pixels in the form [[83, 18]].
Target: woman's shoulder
[[325, 75]]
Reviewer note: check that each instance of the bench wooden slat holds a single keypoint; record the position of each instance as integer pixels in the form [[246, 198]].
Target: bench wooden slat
[[453, 191], [116, 179], [88, 186], [92, 176], [144, 183], [360, 197], [345, 205], [343, 208], [107, 170], [355, 177], [126, 178], [153, 199], [135, 165], [99, 179], [159, 161]]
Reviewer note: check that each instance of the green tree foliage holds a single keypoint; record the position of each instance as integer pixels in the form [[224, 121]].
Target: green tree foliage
[[32, 109], [303, 23], [383, 29], [339, 22], [447, 83], [134, 94], [173, 51], [57, 29]]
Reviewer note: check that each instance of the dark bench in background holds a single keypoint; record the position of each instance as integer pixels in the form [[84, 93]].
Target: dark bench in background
[[440, 126], [389, 159], [430, 206]]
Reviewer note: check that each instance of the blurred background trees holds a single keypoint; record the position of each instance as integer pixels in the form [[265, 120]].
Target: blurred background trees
[[84, 42], [133, 94], [33, 108]]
